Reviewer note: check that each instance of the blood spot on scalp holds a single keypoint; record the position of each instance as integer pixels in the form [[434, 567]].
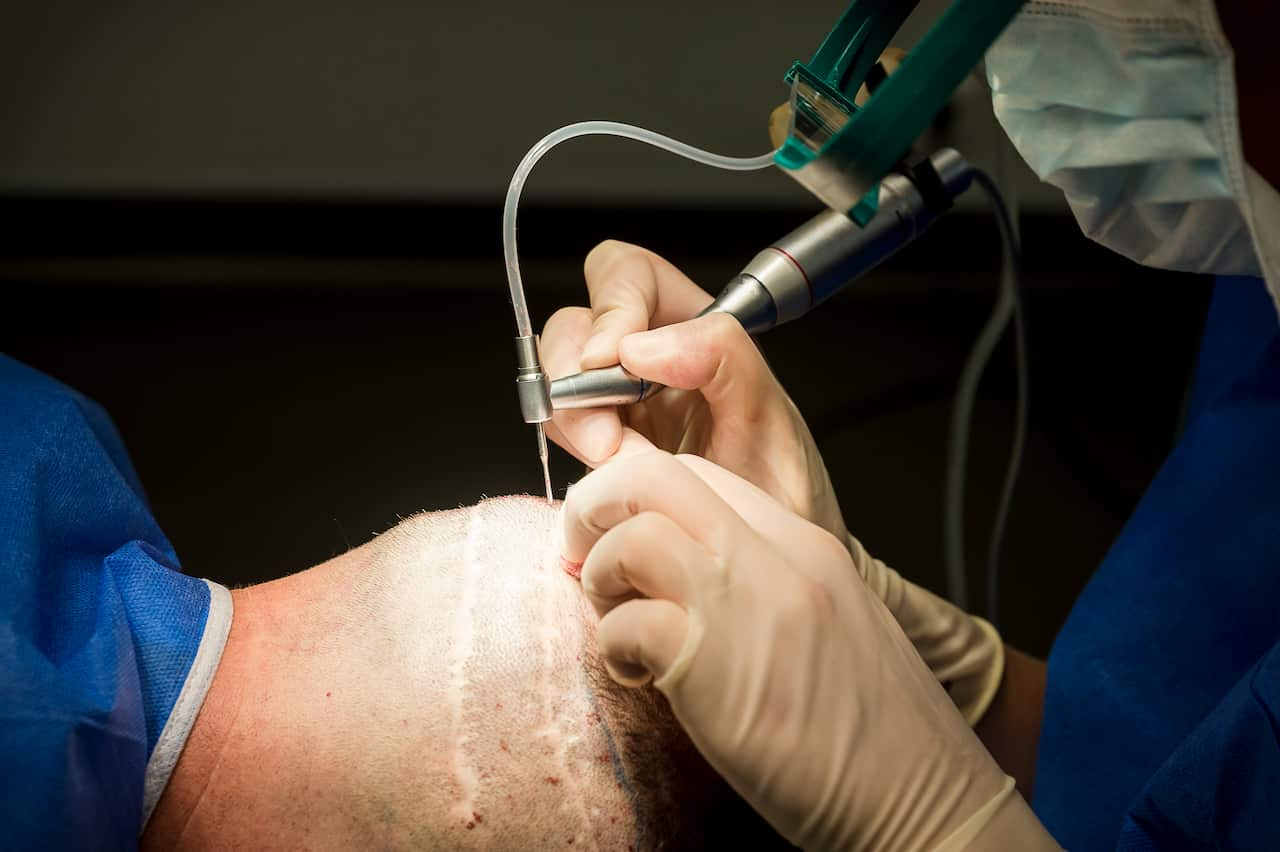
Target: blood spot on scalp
[[498, 706], [470, 826], [603, 758], [478, 819], [327, 694], [502, 744], [552, 780]]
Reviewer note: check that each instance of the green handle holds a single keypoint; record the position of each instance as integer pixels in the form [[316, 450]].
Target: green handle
[[850, 159]]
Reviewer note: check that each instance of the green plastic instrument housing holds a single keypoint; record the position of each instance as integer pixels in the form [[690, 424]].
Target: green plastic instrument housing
[[840, 151]]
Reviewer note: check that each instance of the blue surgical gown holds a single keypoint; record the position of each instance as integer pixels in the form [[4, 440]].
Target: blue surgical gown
[[106, 648], [1162, 712]]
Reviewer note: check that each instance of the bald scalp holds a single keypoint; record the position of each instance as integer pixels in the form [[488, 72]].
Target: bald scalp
[[437, 687], [674, 799]]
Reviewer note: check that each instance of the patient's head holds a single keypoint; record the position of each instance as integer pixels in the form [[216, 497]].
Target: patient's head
[[438, 687]]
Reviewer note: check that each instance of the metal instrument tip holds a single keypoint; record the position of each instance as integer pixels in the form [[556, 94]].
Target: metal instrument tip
[[542, 456]]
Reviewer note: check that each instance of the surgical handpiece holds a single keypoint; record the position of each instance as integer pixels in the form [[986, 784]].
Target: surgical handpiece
[[791, 277]]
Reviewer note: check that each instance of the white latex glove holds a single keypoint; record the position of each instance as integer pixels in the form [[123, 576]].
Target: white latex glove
[[724, 403], [964, 652], [790, 676]]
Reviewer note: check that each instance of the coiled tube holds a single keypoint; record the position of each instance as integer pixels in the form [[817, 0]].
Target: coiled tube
[[524, 328]]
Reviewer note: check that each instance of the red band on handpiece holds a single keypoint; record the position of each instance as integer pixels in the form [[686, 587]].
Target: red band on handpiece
[[799, 268]]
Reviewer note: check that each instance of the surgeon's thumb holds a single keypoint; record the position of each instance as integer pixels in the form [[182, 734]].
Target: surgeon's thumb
[[712, 354]]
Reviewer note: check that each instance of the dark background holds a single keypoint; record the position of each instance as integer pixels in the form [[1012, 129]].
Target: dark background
[[292, 379], [290, 295]]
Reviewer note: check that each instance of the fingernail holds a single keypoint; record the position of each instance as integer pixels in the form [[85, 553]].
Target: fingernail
[[598, 438], [598, 352], [644, 345], [628, 674], [567, 565]]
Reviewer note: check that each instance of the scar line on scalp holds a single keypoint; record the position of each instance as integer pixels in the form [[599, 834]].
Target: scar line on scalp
[[552, 723], [464, 772]]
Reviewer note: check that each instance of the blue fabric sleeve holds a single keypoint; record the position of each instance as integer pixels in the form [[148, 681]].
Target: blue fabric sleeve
[[1219, 790], [1185, 604], [98, 627]]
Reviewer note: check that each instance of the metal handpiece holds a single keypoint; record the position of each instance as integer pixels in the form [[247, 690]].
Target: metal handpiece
[[532, 388], [534, 392], [744, 297], [594, 388], [800, 271]]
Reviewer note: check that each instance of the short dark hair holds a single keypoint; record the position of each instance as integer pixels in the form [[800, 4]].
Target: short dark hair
[[680, 802]]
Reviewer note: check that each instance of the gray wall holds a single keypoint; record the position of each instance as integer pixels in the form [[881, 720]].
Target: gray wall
[[423, 100]]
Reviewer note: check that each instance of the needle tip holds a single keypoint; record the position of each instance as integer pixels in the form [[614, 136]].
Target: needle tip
[[546, 467]]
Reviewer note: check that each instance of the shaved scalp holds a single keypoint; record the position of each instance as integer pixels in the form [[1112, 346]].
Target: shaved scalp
[[438, 688], [673, 798]]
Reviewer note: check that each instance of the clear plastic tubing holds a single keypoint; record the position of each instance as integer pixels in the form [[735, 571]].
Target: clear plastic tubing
[[593, 128]]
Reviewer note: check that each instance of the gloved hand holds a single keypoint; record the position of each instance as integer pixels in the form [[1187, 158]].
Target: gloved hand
[[790, 676], [964, 652], [722, 401], [724, 404]]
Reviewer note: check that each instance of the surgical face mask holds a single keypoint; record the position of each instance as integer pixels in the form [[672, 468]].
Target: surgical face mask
[[1130, 108]]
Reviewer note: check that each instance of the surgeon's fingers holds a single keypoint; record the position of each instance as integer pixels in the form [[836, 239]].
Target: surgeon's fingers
[[590, 434], [560, 345], [632, 442], [753, 504], [648, 556], [769, 519], [641, 639], [713, 355], [647, 482], [632, 289]]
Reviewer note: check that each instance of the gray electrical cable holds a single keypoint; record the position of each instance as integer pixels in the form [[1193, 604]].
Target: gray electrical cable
[[1008, 307]]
